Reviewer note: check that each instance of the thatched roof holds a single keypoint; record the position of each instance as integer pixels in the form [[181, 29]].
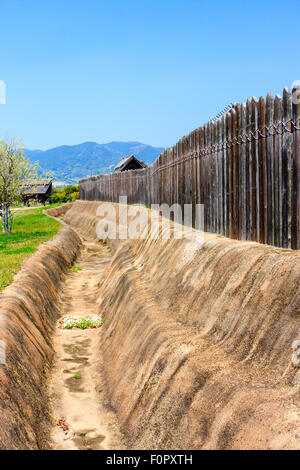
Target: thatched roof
[[35, 187], [129, 161]]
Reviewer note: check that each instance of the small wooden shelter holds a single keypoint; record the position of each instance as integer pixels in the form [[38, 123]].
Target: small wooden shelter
[[36, 189], [129, 163]]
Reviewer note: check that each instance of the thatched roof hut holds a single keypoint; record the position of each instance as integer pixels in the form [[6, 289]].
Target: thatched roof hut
[[36, 189], [129, 163]]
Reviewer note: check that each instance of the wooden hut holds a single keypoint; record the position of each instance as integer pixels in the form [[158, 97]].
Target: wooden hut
[[129, 163], [36, 189]]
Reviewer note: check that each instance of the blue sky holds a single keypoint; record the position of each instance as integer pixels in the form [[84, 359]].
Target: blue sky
[[147, 70]]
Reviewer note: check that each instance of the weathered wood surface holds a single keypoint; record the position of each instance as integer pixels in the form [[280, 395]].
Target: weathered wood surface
[[244, 167]]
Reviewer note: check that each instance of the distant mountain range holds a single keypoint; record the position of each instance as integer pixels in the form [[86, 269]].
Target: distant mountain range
[[69, 163]]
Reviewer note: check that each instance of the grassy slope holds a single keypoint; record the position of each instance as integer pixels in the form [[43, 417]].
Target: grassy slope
[[31, 228]]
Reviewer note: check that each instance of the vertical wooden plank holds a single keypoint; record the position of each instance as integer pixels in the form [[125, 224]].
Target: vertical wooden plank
[[224, 166], [180, 175], [183, 173], [172, 175], [262, 171], [206, 183], [157, 180], [204, 175], [198, 162], [215, 175], [146, 185], [154, 183], [162, 174], [188, 171], [216, 158], [238, 109], [243, 171], [270, 161], [227, 172], [151, 176], [140, 188], [194, 174], [206, 162], [215, 179], [277, 171], [206, 178], [172, 182], [168, 193], [176, 175], [166, 179], [150, 170], [191, 169], [136, 197], [158, 177], [163, 178], [285, 170], [220, 175], [234, 181], [209, 174], [131, 175], [212, 177], [149, 185], [231, 179], [254, 172], [295, 229], [128, 175], [191, 174], [201, 168], [150, 179], [248, 168], [126, 186]]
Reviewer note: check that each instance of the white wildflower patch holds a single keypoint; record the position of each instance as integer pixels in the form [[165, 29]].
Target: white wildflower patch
[[69, 322]]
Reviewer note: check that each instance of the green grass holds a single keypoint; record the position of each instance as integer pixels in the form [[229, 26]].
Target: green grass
[[31, 228], [75, 269]]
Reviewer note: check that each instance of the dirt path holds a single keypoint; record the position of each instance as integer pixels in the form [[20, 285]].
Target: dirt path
[[80, 421]]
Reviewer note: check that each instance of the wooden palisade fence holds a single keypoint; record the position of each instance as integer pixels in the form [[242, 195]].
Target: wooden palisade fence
[[244, 167]]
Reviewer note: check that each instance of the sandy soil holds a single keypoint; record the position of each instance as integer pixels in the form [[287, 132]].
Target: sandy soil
[[81, 421], [199, 342]]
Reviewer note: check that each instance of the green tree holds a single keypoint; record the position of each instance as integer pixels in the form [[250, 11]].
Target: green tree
[[62, 195], [15, 168]]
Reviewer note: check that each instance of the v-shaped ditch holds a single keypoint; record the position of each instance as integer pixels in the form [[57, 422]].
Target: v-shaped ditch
[[79, 419]]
